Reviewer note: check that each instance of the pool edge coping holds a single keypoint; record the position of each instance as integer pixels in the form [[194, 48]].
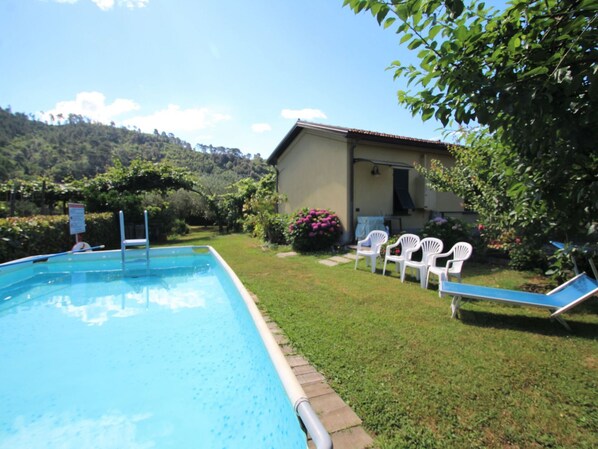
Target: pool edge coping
[[299, 399]]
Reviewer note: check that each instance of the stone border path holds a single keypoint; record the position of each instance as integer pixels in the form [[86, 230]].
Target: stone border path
[[341, 422], [330, 262], [337, 260], [343, 425]]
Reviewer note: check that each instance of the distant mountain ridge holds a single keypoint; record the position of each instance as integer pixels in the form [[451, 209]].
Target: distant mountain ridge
[[76, 148]]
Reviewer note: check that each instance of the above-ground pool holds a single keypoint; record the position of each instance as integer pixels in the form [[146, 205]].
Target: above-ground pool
[[160, 357]]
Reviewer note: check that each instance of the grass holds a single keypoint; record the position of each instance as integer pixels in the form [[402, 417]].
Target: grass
[[501, 377]]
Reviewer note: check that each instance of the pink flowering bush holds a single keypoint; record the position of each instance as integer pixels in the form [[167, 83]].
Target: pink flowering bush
[[314, 229]]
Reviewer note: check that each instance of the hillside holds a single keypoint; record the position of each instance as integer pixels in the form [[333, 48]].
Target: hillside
[[75, 148]]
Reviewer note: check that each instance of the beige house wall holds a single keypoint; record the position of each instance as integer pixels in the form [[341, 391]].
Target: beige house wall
[[373, 195], [313, 172]]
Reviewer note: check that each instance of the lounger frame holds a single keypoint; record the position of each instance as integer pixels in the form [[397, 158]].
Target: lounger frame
[[550, 300]]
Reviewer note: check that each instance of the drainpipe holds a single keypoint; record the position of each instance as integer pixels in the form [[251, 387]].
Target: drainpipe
[[276, 186], [350, 187]]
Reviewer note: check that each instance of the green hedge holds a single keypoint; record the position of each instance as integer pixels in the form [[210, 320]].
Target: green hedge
[[41, 234]]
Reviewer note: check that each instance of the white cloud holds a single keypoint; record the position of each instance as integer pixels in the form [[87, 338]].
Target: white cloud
[[174, 119], [305, 114], [261, 127], [105, 5], [132, 4], [92, 105]]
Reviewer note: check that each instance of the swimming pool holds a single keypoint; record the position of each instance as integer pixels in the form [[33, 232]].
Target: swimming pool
[[170, 356]]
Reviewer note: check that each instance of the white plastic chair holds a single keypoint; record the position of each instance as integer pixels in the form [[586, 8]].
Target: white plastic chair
[[429, 246], [407, 241], [461, 251], [376, 239]]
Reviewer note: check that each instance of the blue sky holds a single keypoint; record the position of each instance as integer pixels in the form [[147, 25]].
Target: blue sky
[[228, 73]]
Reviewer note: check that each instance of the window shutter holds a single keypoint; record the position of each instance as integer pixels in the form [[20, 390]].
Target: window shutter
[[402, 201]]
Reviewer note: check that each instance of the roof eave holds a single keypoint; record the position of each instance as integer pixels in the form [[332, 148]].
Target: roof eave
[[361, 136], [294, 132], [352, 134]]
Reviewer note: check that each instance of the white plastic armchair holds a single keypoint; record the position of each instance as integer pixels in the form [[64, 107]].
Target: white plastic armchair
[[407, 242], [460, 251], [376, 239], [429, 246]]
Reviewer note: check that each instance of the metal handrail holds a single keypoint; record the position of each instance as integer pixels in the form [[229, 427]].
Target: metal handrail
[[313, 425]]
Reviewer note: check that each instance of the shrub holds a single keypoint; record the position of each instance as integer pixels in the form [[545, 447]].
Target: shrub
[[41, 234], [449, 230], [314, 229], [524, 256], [179, 227], [562, 267], [275, 229], [269, 227]]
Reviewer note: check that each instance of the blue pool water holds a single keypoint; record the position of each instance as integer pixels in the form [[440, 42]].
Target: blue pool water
[[168, 358]]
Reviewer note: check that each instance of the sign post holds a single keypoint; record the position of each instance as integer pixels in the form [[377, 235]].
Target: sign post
[[77, 220]]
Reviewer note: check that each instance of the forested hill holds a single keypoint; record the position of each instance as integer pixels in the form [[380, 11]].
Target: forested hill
[[75, 147]]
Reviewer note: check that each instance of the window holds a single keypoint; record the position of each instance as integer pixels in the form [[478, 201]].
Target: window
[[401, 202]]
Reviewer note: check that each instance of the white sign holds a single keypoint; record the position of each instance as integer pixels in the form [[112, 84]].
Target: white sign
[[77, 218]]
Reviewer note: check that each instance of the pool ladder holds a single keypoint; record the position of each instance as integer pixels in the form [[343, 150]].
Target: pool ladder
[[134, 243]]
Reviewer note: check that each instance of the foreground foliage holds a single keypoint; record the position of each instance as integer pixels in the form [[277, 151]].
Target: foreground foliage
[[528, 75]]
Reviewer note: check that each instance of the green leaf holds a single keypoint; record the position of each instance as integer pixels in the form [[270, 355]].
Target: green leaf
[[514, 43], [389, 21], [402, 11], [427, 114], [403, 27], [423, 53], [382, 14], [535, 72], [405, 38], [415, 43], [426, 79], [434, 31]]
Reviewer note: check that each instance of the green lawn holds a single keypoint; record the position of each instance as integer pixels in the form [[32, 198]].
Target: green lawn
[[502, 377]]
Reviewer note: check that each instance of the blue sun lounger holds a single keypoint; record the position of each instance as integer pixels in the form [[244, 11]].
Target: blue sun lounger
[[558, 301]]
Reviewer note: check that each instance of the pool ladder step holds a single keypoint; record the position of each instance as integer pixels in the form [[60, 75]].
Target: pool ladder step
[[133, 243]]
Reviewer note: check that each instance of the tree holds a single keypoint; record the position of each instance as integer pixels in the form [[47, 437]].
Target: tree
[[260, 212], [41, 193], [476, 177], [122, 187], [527, 75]]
